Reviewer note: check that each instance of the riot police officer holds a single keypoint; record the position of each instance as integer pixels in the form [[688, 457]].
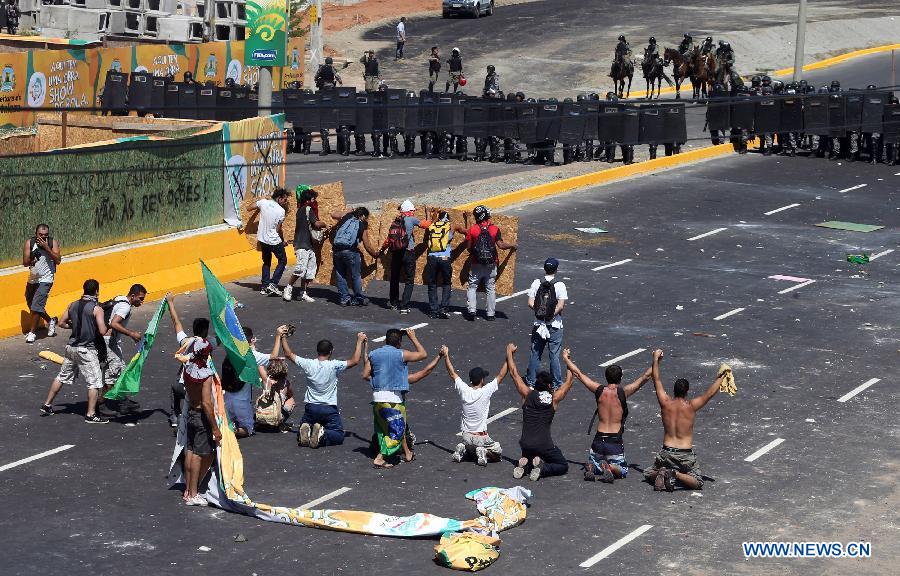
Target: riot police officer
[[510, 147], [409, 134], [756, 85], [686, 46], [892, 146], [455, 70], [725, 63], [707, 46], [326, 78], [623, 51], [717, 98], [371, 74], [651, 52]]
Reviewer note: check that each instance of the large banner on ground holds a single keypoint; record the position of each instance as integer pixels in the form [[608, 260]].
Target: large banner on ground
[[255, 151]]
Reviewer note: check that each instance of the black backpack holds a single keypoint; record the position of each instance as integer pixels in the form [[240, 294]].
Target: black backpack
[[485, 249], [108, 306], [545, 301]]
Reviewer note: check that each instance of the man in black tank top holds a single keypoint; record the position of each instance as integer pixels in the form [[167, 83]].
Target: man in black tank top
[[606, 457]]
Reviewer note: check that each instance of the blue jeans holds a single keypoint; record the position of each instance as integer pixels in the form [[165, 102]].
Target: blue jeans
[[537, 351], [239, 406], [280, 254], [330, 418], [433, 267], [348, 263]]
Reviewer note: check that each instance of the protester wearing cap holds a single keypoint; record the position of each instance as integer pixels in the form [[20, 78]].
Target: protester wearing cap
[[476, 404], [308, 235], [483, 239], [547, 297], [401, 243]]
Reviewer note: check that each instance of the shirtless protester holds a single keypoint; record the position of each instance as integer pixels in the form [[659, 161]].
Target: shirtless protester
[[676, 464], [606, 457]]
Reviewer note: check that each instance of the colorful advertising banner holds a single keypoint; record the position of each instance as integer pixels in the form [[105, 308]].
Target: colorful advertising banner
[[13, 80], [266, 33], [293, 64], [59, 79], [254, 161], [163, 60]]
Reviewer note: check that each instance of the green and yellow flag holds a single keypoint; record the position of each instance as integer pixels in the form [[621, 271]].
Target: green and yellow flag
[[129, 382], [228, 328]]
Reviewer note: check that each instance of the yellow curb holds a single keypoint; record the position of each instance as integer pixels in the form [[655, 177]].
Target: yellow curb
[[601, 177]]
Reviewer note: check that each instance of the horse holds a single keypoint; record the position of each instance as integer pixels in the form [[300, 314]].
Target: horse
[[681, 67], [654, 74], [704, 74], [622, 68]]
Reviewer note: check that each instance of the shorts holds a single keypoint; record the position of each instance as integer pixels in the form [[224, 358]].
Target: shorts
[[81, 361], [473, 441], [36, 296], [114, 366], [682, 460], [199, 436], [306, 266], [608, 447]]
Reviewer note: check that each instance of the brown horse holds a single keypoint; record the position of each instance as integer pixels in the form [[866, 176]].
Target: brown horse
[[654, 73], [681, 67], [704, 74], [622, 68]]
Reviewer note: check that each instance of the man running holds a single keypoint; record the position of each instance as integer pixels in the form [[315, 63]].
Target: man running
[[606, 457], [676, 463]]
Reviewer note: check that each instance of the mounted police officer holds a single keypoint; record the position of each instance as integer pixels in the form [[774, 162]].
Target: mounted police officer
[[707, 46], [623, 51], [725, 64], [326, 79], [686, 46], [651, 52]]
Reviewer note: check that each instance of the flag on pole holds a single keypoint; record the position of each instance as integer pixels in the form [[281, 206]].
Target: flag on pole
[[129, 382], [228, 328]]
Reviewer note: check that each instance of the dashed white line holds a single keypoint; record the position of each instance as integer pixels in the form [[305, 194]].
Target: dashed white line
[[857, 187], [782, 209], [619, 263], [36, 457], [880, 254], [764, 449], [325, 498], [730, 313], [705, 234], [416, 327], [858, 389], [796, 287], [622, 357], [615, 546], [519, 293]]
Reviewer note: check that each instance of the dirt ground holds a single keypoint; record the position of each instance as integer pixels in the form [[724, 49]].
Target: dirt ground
[[342, 17]]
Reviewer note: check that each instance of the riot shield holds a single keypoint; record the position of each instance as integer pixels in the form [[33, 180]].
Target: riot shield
[[364, 113], [718, 111], [767, 118], [458, 127], [345, 106], [114, 92], [379, 111], [549, 120], [591, 111], [609, 122], [526, 122], [277, 102], [630, 125], [225, 105], [674, 123], [476, 118], [140, 91], [292, 101], [496, 118], [241, 103], [650, 124], [571, 123], [172, 105], [891, 123], [853, 106], [873, 111], [444, 112], [743, 111], [411, 113], [791, 114], [396, 108], [815, 114], [251, 110], [206, 103], [428, 114], [510, 120], [187, 101], [837, 116], [328, 118], [158, 96]]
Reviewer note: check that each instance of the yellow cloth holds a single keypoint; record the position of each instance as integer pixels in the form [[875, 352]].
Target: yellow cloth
[[467, 551], [727, 384], [51, 356]]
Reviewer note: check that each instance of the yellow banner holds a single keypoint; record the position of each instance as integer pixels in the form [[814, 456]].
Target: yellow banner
[[163, 60], [293, 63], [13, 80], [104, 60], [211, 63], [60, 78]]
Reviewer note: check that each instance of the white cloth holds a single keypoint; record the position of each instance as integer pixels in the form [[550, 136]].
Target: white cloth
[[121, 309], [321, 379], [561, 294], [476, 403], [391, 396], [401, 32], [262, 359], [271, 214], [43, 270]]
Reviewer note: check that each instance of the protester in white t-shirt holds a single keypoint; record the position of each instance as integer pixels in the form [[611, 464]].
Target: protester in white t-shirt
[[401, 38], [270, 238], [476, 404], [118, 325], [548, 324]]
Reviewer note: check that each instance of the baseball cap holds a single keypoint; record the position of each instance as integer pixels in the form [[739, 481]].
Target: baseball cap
[[407, 206], [477, 374], [551, 265]]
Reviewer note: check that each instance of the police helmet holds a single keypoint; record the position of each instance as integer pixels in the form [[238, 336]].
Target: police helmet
[[382, 85], [520, 96], [329, 60], [455, 51], [766, 80], [718, 87], [411, 94], [708, 39], [581, 97], [511, 97], [870, 87], [835, 84], [767, 90], [188, 76], [594, 96], [688, 37], [611, 96], [622, 38], [481, 213], [777, 86], [653, 40], [491, 69], [823, 89], [567, 100], [755, 80], [726, 44], [532, 100], [721, 43]]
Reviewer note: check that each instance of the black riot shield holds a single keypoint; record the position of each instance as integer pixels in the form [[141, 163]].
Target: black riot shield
[[650, 124], [172, 106], [571, 123], [890, 129], [549, 120], [345, 106], [837, 116], [458, 127], [309, 112], [630, 125], [526, 122], [411, 113], [674, 123], [364, 113], [743, 111], [428, 114], [853, 105], [767, 118], [591, 110], [140, 91], [242, 106], [396, 109], [496, 118], [225, 104], [187, 101], [510, 120], [609, 122], [158, 96], [328, 118], [291, 98], [815, 114], [718, 111], [444, 112], [277, 102], [791, 114], [206, 103], [114, 91], [873, 111], [379, 111], [476, 118], [251, 110]]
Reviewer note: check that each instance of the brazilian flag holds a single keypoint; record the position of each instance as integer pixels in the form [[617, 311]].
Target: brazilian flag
[[129, 382], [228, 328]]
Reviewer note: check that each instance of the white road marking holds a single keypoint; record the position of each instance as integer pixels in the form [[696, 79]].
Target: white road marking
[[796, 286], [857, 187], [777, 210], [622, 357], [764, 449], [615, 546], [519, 293], [858, 389], [416, 327], [880, 254], [705, 234], [324, 498], [498, 416], [35, 457], [620, 262], [727, 314]]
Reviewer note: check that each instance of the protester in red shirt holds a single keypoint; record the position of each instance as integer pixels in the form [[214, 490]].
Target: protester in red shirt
[[483, 240]]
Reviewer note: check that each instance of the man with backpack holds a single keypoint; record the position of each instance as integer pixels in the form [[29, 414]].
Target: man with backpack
[[438, 239], [352, 230], [402, 245], [547, 297], [606, 457], [483, 239], [308, 235], [116, 314]]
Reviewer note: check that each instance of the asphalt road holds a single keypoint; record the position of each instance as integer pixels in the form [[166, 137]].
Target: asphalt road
[[101, 506]]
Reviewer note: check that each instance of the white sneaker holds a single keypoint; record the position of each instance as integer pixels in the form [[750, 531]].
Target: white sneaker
[[30, 338], [273, 290], [481, 456], [197, 500], [307, 298], [51, 327], [459, 453], [288, 293], [317, 434]]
